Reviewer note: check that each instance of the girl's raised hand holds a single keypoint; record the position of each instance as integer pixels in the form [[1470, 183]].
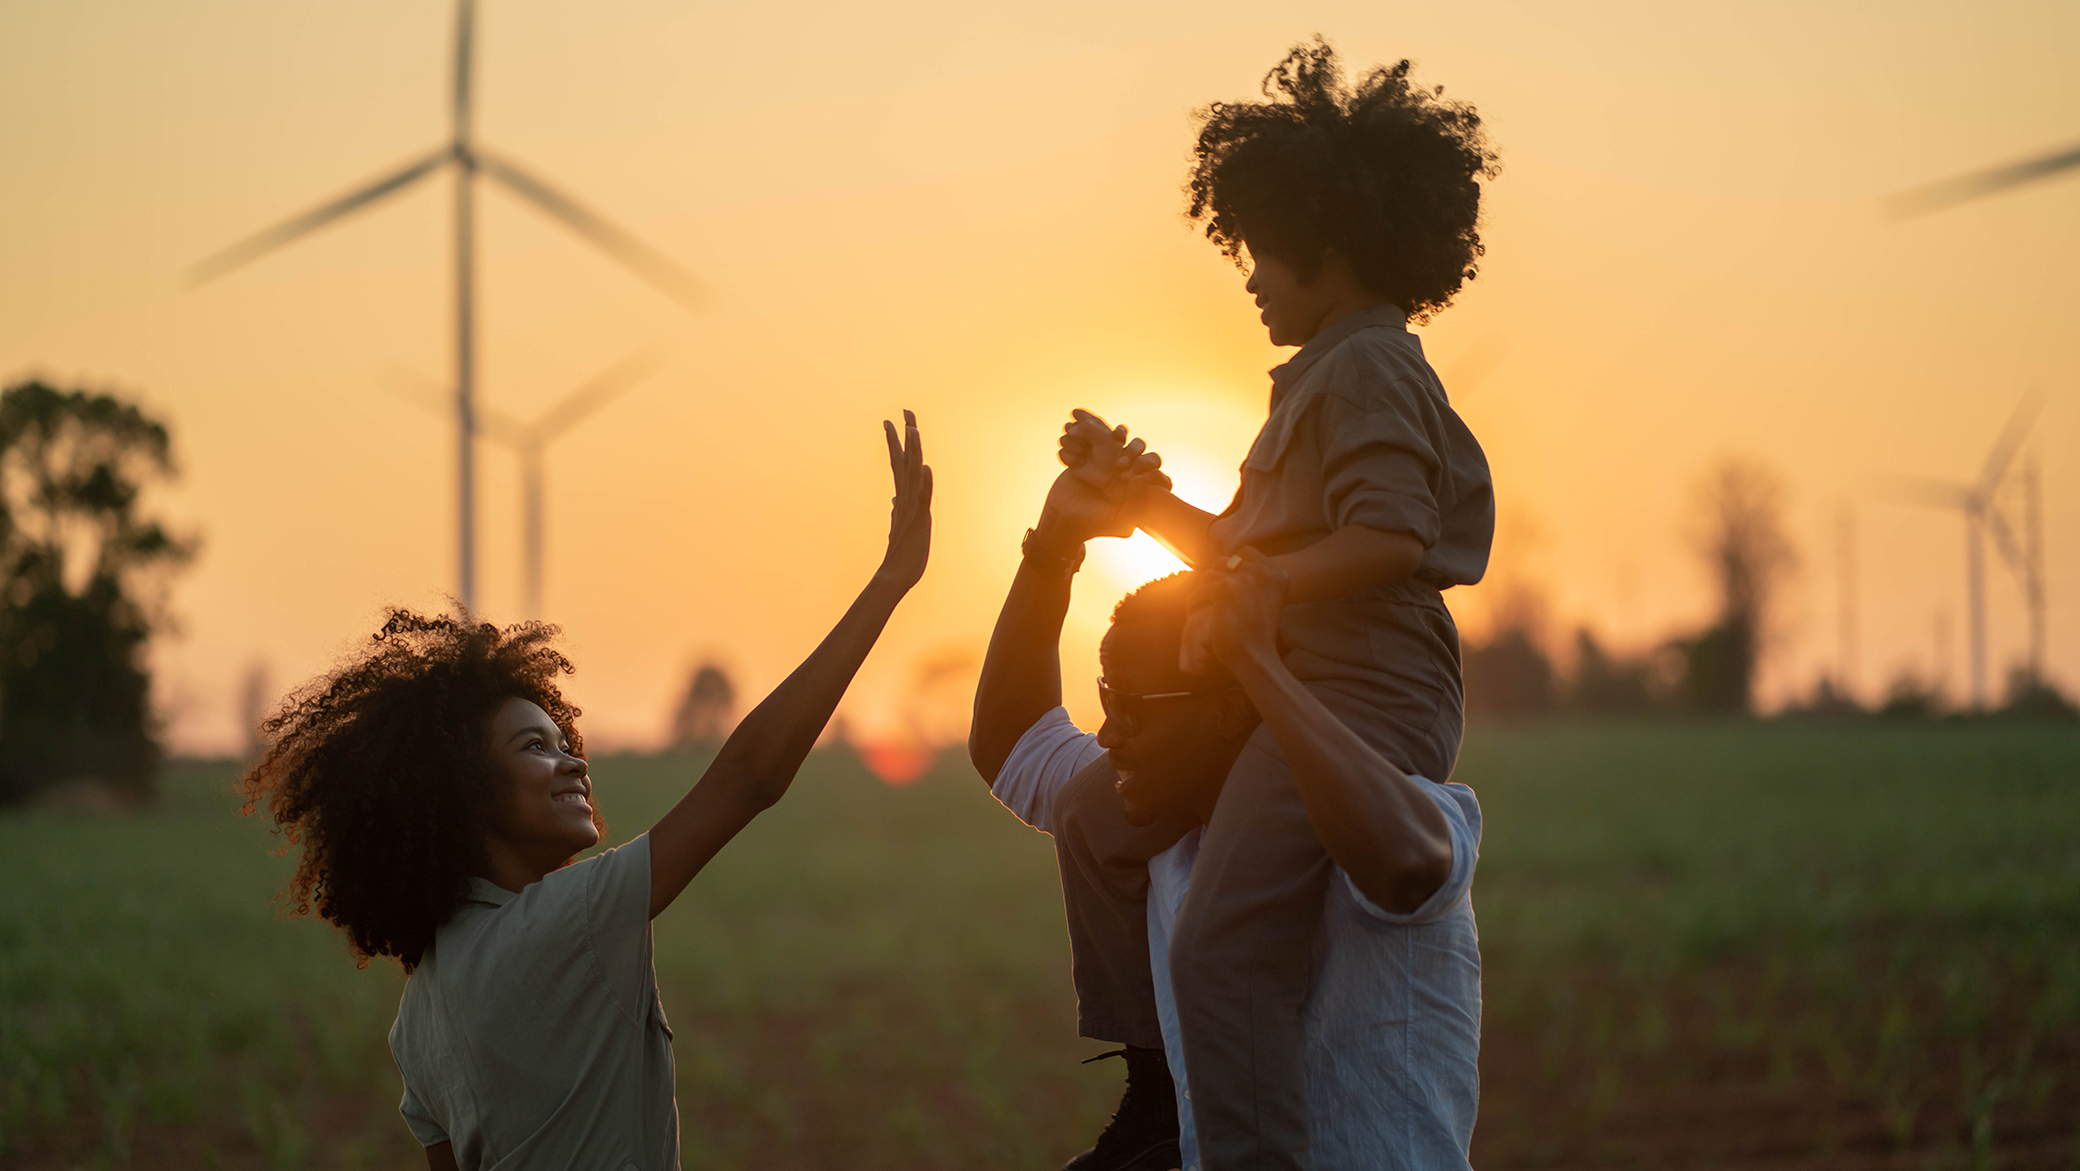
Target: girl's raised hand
[[910, 514]]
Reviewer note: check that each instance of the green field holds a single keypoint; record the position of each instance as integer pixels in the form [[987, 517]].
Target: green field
[[1705, 945]]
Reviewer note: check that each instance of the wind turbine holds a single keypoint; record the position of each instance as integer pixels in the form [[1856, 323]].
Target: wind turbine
[[469, 159], [1984, 516], [529, 442]]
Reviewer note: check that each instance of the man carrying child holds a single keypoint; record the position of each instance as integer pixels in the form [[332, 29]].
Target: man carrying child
[[1362, 498]]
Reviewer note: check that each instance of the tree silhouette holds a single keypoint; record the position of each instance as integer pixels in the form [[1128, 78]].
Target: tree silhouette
[[1740, 534], [705, 713], [83, 579]]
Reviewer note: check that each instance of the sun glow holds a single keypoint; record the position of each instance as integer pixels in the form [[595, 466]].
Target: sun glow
[[1202, 442]]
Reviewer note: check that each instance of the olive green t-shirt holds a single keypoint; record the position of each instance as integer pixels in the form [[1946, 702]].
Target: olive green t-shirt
[[531, 1034]]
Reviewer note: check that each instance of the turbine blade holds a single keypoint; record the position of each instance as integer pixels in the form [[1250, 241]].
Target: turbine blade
[[2011, 438], [1939, 195], [438, 398], [644, 260], [1923, 490], [2004, 540], [604, 388], [252, 247]]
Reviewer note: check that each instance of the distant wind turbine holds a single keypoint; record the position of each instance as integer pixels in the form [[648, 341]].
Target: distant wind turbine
[[1980, 503], [529, 442], [1948, 192], [468, 159]]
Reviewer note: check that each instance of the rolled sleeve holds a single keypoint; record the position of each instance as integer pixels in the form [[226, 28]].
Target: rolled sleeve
[[1462, 815], [420, 1120], [1053, 750], [1378, 466]]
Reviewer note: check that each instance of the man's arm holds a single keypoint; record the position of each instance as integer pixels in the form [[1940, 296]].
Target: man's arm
[[759, 760], [1022, 671], [1378, 824]]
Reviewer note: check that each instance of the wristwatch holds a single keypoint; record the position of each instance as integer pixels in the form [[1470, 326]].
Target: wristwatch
[[1051, 564]]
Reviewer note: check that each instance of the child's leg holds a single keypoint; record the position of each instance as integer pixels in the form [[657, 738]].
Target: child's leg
[[1104, 864], [1239, 965]]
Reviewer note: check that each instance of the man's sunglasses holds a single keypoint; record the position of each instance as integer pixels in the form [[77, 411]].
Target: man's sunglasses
[[1125, 706]]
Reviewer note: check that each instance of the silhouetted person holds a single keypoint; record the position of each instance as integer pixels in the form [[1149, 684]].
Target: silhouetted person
[[438, 788], [1357, 208], [1391, 1017]]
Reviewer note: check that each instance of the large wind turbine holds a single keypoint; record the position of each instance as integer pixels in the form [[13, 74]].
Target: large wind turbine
[[530, 441], [1983, 517], [469, 159]]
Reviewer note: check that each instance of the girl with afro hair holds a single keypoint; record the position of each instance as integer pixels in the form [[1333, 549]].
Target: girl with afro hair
[[437, 787], [1354, 206]]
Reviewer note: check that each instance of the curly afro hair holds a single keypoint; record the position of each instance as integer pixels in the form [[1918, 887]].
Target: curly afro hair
[[1384, 172], [380, 771]]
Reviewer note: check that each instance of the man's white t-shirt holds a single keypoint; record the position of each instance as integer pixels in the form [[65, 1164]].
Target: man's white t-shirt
[[1393, 1011]]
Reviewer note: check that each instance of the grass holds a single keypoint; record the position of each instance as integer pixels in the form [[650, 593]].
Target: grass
[[1738, 944]]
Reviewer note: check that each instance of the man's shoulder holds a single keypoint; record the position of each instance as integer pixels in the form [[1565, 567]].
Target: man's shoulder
[[1050, 752]]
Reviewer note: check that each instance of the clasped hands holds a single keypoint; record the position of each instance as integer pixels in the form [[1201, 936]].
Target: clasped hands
[[1107, 489]]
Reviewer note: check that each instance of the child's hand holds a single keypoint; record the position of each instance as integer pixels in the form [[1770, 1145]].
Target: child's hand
[[1102, 457], [1095, 451]]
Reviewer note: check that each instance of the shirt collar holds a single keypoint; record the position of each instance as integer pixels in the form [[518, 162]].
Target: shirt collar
[[1386, 313], [483, 890]]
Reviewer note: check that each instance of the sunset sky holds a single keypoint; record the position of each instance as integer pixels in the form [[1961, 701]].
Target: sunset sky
[[975, 211]]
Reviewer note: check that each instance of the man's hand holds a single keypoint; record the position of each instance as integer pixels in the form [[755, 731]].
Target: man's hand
[[1076, 512], [1103, 457], [1241, 599], [910, 515], [1232, 614]]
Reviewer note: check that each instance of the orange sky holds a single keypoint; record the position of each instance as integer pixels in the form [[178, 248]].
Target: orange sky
[[977, 214]]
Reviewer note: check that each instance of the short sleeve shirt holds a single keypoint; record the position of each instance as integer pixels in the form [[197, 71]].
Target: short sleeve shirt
[[1392, 1019], [1360, 432], [531, 1034]]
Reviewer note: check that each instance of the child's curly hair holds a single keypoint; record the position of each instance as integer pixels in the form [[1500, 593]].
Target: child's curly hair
[[1384, 172], [381, 772]]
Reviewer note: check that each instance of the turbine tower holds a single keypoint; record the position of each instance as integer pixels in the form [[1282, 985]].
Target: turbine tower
[[1984, 517], [529, 442], [469, 159]]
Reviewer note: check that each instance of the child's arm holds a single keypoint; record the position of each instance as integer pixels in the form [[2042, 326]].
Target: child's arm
[[759, 760], [1351, 560], [1377, 823]]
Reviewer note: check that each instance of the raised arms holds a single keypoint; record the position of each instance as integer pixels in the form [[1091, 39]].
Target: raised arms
[[759, 760], [1351, 560]]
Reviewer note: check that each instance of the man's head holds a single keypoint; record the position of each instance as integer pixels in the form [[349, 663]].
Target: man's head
[[1380, 179], [1171, 736]]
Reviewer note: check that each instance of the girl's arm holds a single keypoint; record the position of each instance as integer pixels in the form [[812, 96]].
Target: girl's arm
[[759, 760]]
